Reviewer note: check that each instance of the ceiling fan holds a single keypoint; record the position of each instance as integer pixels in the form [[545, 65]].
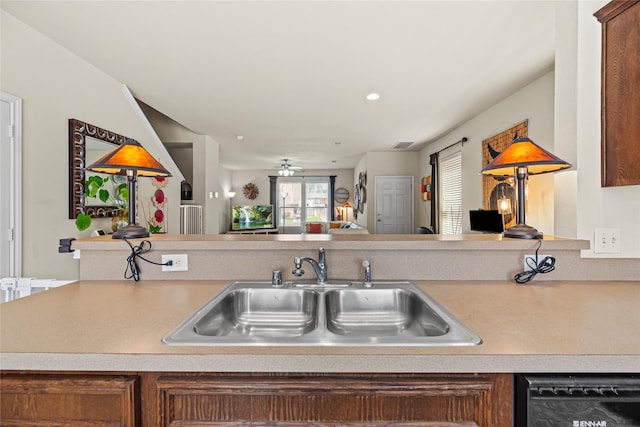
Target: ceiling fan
[[287, 170]]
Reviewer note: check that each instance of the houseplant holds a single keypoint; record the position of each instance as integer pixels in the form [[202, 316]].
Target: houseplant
[[118, 197]]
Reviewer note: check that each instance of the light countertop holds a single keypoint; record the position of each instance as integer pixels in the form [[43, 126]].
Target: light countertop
[[546, 326]]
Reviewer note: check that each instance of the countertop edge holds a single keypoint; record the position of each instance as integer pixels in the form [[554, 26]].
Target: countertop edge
[[321, 363], [296, 242]]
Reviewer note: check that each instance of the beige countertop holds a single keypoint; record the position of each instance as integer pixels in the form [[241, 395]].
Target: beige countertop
[[546, 326]]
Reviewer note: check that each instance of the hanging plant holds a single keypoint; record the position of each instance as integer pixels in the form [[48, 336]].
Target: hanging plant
[[250, 191]]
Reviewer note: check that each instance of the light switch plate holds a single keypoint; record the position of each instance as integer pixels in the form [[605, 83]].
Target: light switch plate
[[607, 241]]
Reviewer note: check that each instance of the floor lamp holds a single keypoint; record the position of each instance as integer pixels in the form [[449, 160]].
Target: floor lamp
[[284, 198], [132, 160], [520, 159], [231, 195]]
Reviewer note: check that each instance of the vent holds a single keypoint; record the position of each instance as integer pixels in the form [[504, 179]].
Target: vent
[[402, 145]]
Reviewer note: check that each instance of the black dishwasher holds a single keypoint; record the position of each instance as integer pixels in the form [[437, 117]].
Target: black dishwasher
[[577, 400]]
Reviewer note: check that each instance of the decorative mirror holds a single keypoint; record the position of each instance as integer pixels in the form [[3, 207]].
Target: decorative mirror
[[341, 195], [87, 143]]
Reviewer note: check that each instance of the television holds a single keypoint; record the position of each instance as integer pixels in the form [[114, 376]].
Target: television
[[252, 217], [487, 221]]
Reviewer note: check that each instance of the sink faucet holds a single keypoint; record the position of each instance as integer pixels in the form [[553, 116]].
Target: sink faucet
[[367, 273], [320, 266]]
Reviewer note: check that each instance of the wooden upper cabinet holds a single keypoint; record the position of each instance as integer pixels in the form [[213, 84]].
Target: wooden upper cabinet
[[620, 92]]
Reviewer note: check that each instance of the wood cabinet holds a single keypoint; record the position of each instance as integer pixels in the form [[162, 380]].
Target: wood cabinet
[[324, 400], [69, 400], [620, 92], [206, 399]]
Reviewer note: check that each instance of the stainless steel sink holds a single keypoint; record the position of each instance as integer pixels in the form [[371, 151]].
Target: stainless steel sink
[[392, 312], [335, 314], [260, 312]]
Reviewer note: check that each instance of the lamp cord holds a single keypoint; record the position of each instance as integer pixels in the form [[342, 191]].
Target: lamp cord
[[547, 265], [133, 269]]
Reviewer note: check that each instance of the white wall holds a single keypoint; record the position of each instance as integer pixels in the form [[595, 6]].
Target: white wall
[[533, 102], [56, 85], [209, 178], [566, 126], [598, 207]]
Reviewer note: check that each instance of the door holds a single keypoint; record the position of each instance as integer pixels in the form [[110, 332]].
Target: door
[[10, 185], [394, 205], [302, 200]]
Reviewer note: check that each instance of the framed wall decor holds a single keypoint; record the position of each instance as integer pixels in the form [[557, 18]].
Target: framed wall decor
[[87, 143], [496, 188]]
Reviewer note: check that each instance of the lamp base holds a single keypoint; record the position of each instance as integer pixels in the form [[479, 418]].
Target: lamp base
[[522, 231], [131, 231]]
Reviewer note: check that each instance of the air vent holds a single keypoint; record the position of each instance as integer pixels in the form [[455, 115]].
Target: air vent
[[402, 145]]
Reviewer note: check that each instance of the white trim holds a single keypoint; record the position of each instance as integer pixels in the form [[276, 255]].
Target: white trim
[[15, 184], [166, 159]]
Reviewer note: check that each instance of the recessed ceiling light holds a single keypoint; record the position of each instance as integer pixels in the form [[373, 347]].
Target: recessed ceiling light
[[240, 137], [373, 96]]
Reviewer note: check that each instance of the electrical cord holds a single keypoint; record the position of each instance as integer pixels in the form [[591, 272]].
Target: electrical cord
[[133, 269], [547, 265]]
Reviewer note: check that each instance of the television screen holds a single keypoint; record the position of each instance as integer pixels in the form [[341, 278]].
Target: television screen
[[487, 221], [251, 217]]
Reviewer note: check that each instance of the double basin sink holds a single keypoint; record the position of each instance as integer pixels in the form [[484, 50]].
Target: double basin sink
[[333, 314]]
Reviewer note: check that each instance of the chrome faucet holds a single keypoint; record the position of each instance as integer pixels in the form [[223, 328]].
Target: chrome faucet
[[367, 273], [320, 266]]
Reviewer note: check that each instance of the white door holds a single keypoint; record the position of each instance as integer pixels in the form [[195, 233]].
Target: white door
[[394, 205], [10, 185]]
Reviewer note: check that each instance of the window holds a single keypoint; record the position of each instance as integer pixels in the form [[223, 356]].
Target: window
[[301, 200], [317, 201], [451, 193]]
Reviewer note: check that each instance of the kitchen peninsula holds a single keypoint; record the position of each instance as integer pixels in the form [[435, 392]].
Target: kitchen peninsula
[[102, 335]]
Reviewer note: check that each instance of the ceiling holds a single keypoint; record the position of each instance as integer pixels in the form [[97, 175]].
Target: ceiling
[[291, 76]]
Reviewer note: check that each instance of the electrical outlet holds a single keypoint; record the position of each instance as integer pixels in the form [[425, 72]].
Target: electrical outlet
[[180, 262], [527, 267], [607, 241]]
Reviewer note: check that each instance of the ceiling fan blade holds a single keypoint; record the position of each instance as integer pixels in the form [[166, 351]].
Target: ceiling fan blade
[[296, 168]]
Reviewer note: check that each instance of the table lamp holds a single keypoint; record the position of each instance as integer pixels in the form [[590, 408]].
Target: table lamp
[[346, 206], [520, 159], [132, 160]]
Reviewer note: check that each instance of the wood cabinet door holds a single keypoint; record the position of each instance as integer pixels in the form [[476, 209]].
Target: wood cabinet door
[[69, 400], [366, 400], [620, 92]]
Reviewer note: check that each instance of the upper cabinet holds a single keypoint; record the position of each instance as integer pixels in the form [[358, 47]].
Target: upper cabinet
[[620, 93]]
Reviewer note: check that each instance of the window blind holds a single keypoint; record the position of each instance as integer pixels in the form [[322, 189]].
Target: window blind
[[451, 193]]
